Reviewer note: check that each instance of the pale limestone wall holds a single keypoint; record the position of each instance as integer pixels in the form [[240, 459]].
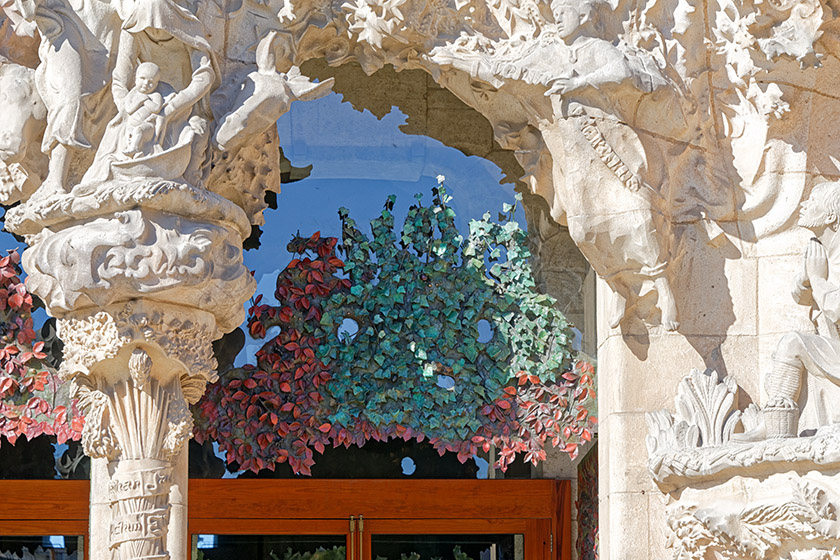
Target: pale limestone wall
[[734, 307]]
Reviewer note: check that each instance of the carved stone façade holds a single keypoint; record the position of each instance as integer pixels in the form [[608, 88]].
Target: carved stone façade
[[674, 138]]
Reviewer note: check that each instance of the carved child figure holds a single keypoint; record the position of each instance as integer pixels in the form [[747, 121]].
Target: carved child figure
[[141, 107]]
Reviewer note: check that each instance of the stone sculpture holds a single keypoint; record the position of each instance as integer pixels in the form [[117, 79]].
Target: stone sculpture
[[737, 513], [816, 355], [699, 443], [139, 261], [22, 164], [676, 140], [76, 39]]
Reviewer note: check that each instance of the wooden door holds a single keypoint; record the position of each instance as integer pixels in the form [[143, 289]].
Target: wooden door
[[352, 513], [530, 517]]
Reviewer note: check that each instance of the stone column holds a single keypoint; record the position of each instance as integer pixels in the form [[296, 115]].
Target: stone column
[[140, 295]]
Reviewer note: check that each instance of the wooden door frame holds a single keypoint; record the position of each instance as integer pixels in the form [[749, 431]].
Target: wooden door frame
[[33, 507], [539, 508]]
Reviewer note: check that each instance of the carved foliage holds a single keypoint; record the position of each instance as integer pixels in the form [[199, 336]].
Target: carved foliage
[[706, 415], [801, 525]]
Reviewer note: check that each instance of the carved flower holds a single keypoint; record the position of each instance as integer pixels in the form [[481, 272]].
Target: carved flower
[[369, 25]]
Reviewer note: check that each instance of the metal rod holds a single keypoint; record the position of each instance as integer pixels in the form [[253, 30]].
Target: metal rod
[[361, 536], [352, 538]]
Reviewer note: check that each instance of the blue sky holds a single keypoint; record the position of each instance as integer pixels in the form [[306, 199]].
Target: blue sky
[[358, 160]]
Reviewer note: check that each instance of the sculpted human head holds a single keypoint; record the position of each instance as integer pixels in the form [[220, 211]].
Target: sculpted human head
[[570, 15], [147, 77], [822, 208]]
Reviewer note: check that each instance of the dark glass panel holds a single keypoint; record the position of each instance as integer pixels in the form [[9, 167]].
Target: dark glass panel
[[53, 547], [447, 547], [269, 547]]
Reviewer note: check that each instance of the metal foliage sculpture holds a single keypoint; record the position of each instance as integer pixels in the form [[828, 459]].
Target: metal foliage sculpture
[[33, 400], [417, 366]]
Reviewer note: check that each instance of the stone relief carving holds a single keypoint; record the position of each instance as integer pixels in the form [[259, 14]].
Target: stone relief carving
[[75, 42], [163, 256], [263, 95], [140, 148], [706, 414], [109, 153], [794, 432], [735, 513], [138, 365], [590, 81], [22, 125], [577, 76], [814, 354], [803, 525], [709, 438]]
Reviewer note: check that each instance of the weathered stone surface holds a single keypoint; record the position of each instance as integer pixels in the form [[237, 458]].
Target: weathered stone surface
[[675, 140]]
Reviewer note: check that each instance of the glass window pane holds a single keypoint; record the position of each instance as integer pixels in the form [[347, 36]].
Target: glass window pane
[[43, 547], [42, 458], [448, 547], [269, 547]]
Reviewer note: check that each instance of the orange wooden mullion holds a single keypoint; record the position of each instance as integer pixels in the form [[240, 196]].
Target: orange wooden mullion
[[42, 500]]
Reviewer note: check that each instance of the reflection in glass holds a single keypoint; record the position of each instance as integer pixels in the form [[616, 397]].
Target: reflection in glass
[[53, 547], [448, 547], [42, 458], [268, 547], [358, 160]]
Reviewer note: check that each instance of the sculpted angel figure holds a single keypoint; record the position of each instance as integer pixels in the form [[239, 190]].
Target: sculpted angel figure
[[597, 173], [609, 207], [806, 365], [584, 60]]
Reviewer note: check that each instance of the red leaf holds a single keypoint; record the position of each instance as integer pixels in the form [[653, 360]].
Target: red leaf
[[15, 300], [325, 427]]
